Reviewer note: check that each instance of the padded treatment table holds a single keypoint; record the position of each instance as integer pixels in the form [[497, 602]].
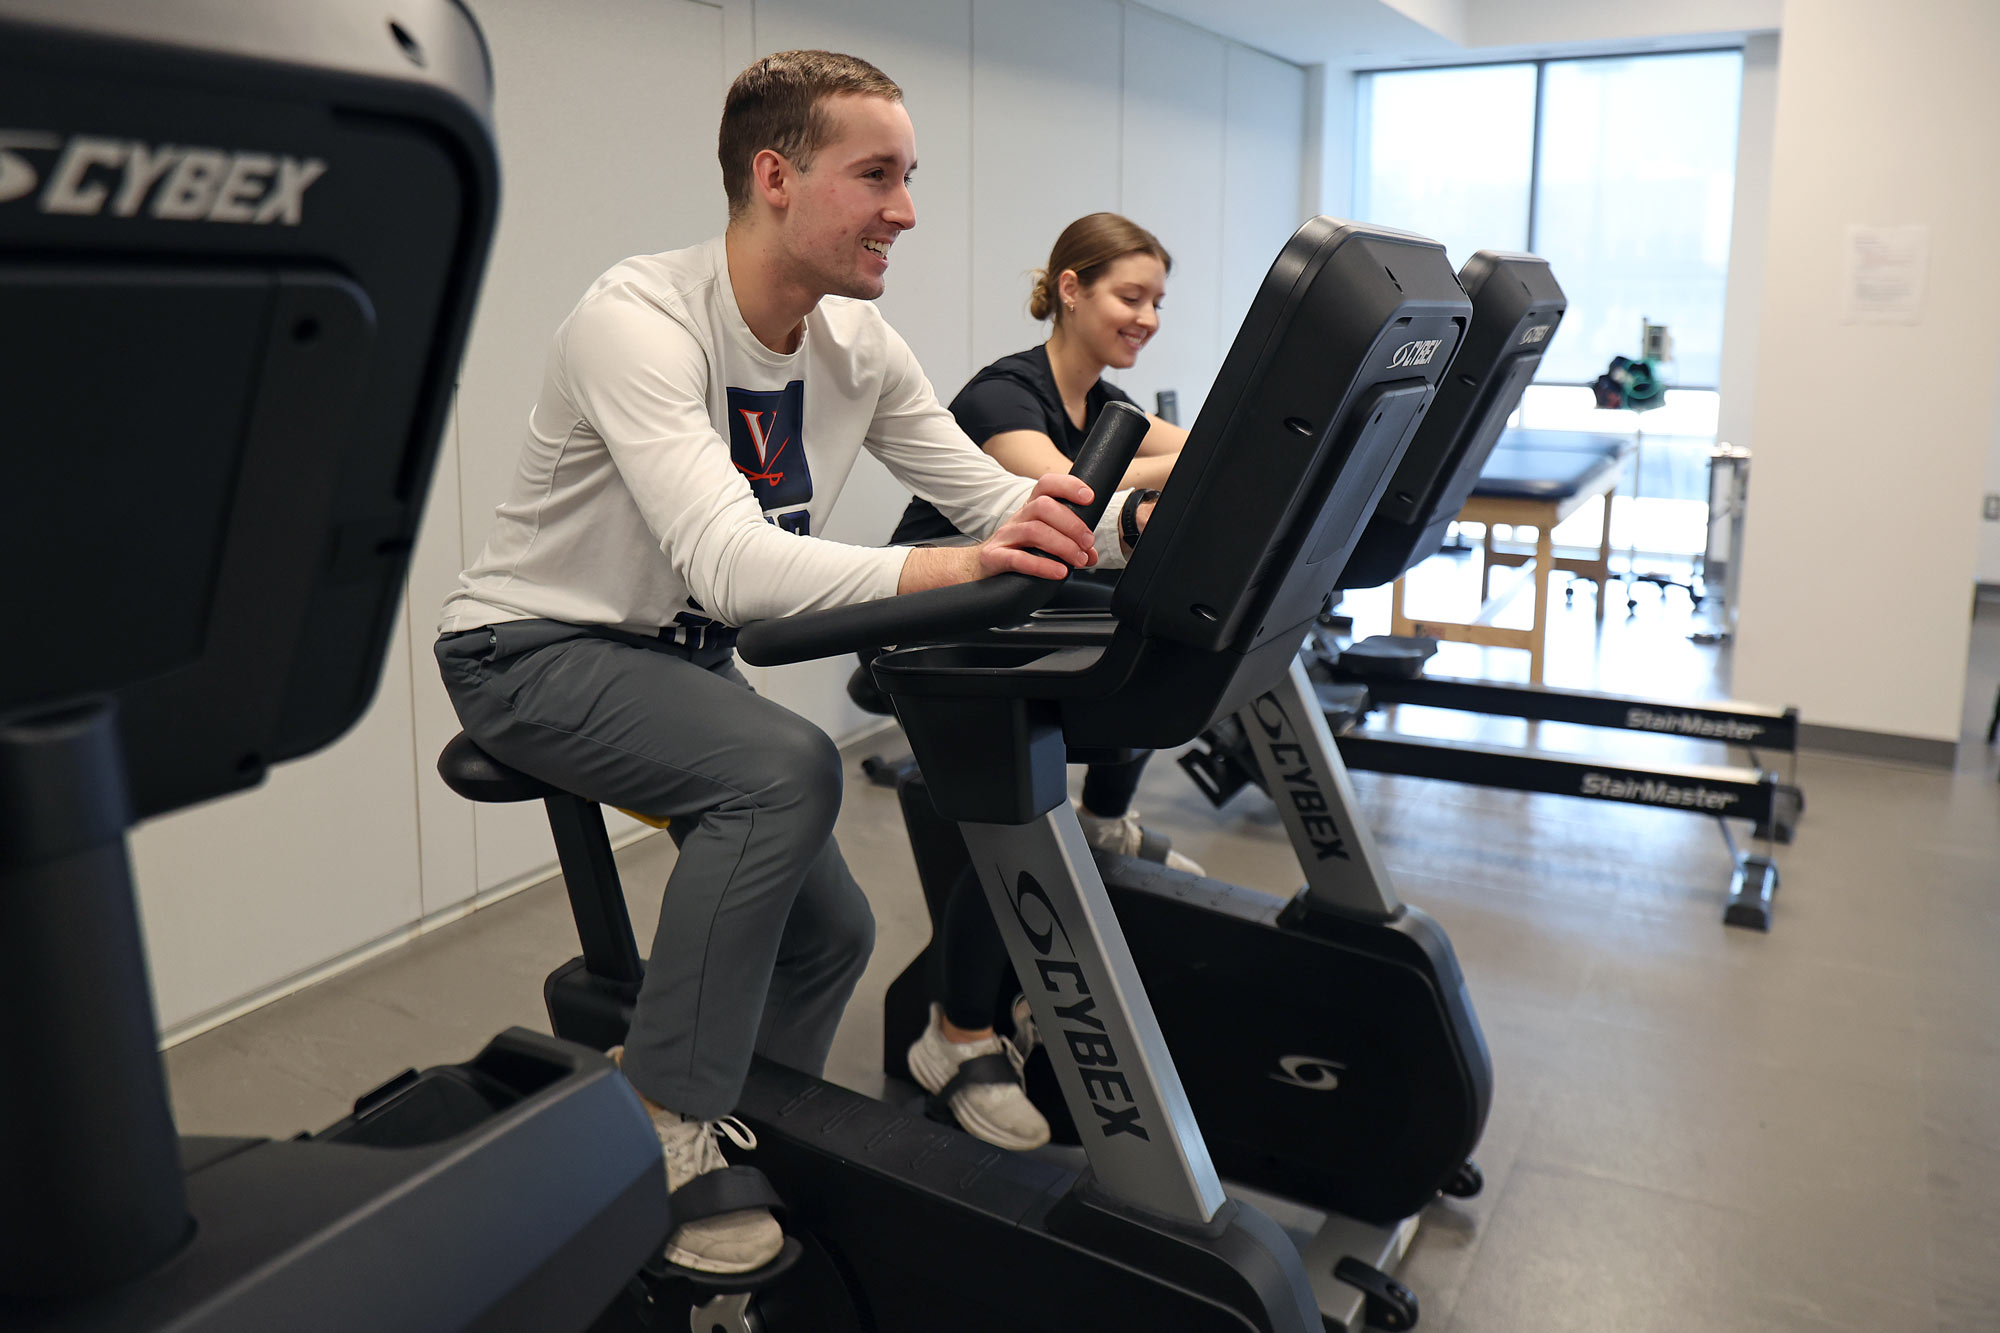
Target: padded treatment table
[[1533, 478]]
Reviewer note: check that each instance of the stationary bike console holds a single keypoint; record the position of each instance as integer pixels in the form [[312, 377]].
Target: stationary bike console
[[226, 360]]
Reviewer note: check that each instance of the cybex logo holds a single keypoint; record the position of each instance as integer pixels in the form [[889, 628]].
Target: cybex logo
[[1416, 353], [1081, 1030], [1540, 333], [123, 177], [1301, 782], [1309, 1072], [17, 174]]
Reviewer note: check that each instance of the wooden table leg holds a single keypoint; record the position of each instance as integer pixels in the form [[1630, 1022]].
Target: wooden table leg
[[1544, 560], [1604, 555], [1398, 622]]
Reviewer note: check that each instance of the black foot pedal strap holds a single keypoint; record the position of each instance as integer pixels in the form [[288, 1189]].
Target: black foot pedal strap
[[729, 1190], [994, 1068], [1153, 846]]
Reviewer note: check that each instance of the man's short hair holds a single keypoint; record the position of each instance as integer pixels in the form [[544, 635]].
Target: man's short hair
[[779, 103]]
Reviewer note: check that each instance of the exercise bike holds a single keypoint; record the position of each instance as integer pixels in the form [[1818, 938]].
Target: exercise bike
[[1326, 1038], [236, 425], [920, 1225]]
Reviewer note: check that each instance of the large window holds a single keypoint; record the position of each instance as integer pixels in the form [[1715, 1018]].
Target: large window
[[1411, 167], [1620, 172]]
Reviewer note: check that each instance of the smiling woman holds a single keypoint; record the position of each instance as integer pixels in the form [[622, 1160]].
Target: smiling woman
[[1103, 287]]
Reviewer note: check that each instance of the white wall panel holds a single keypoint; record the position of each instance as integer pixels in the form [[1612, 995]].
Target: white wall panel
[[1263, 146], [1749, 233], [1172, 186], [1903, 469], [1045, 117], [246, 892], [1334, 93]]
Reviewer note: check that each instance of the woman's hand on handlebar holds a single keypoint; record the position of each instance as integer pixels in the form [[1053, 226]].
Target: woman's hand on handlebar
[[1045, 527]]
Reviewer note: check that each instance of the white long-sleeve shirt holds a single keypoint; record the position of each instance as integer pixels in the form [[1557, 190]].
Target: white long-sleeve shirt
[[676, 468]]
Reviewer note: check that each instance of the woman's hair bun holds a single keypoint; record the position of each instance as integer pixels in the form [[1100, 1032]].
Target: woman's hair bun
[[1038, 297], [1086, 248]]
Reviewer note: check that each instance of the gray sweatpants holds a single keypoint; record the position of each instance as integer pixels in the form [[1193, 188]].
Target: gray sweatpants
[[763, 933]]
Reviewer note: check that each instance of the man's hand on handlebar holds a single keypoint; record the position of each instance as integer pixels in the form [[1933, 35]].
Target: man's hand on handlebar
[[1045, 527]]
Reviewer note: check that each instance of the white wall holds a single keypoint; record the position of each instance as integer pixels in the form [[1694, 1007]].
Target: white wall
[[1749, 228], [606, 116], [1332, 94], [1172, 183], [321, 860], [1508, 23], [1872, 440], [1268, 131]]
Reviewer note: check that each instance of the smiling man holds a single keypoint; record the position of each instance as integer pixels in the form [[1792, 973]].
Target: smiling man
[[699, 413]]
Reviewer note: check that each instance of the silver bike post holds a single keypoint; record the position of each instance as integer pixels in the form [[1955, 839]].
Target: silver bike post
[[1092, 1012], [1308, 782]]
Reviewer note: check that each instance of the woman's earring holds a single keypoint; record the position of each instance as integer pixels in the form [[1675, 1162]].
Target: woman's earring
[[1070, 306]]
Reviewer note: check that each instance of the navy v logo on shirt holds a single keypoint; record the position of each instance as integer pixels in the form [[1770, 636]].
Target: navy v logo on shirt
[[765, 444]]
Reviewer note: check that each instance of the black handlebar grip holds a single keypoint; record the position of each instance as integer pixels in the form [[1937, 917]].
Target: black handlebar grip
[[1114, 441], [941, 613]]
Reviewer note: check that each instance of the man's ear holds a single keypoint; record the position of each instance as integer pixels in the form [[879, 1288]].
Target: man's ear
[[771, 179]]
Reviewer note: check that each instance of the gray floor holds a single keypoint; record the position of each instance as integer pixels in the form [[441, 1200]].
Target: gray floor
[[1693, 1126]]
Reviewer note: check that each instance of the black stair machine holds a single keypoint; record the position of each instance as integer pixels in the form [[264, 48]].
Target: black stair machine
[[225, 385], [921, 1225]]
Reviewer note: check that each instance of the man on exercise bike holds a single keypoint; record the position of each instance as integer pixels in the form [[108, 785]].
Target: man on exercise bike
[[699, 412]]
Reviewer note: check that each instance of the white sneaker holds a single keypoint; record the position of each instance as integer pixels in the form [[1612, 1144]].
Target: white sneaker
[[737, 1242], [1123, 836], [981, 1080]]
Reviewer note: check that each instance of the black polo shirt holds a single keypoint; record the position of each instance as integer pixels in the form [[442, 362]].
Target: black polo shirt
[[1016, 392]]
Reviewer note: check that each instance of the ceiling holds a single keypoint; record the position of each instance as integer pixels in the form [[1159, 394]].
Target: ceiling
[[1377, 34]]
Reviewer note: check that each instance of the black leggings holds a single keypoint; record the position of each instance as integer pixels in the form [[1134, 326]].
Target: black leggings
[[1108, 788], [971, 957]]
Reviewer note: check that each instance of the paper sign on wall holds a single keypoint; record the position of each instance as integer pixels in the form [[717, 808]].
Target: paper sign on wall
[[1883, 281]]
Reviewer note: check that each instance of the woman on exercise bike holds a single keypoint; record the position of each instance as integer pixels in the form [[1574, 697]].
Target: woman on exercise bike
[[1032, 411]]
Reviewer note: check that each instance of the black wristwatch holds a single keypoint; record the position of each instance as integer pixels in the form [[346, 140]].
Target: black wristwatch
[[1128, 517]]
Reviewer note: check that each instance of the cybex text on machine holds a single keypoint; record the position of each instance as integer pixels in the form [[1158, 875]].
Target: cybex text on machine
[[94, 176], [1301, 784], [1062, 979]]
